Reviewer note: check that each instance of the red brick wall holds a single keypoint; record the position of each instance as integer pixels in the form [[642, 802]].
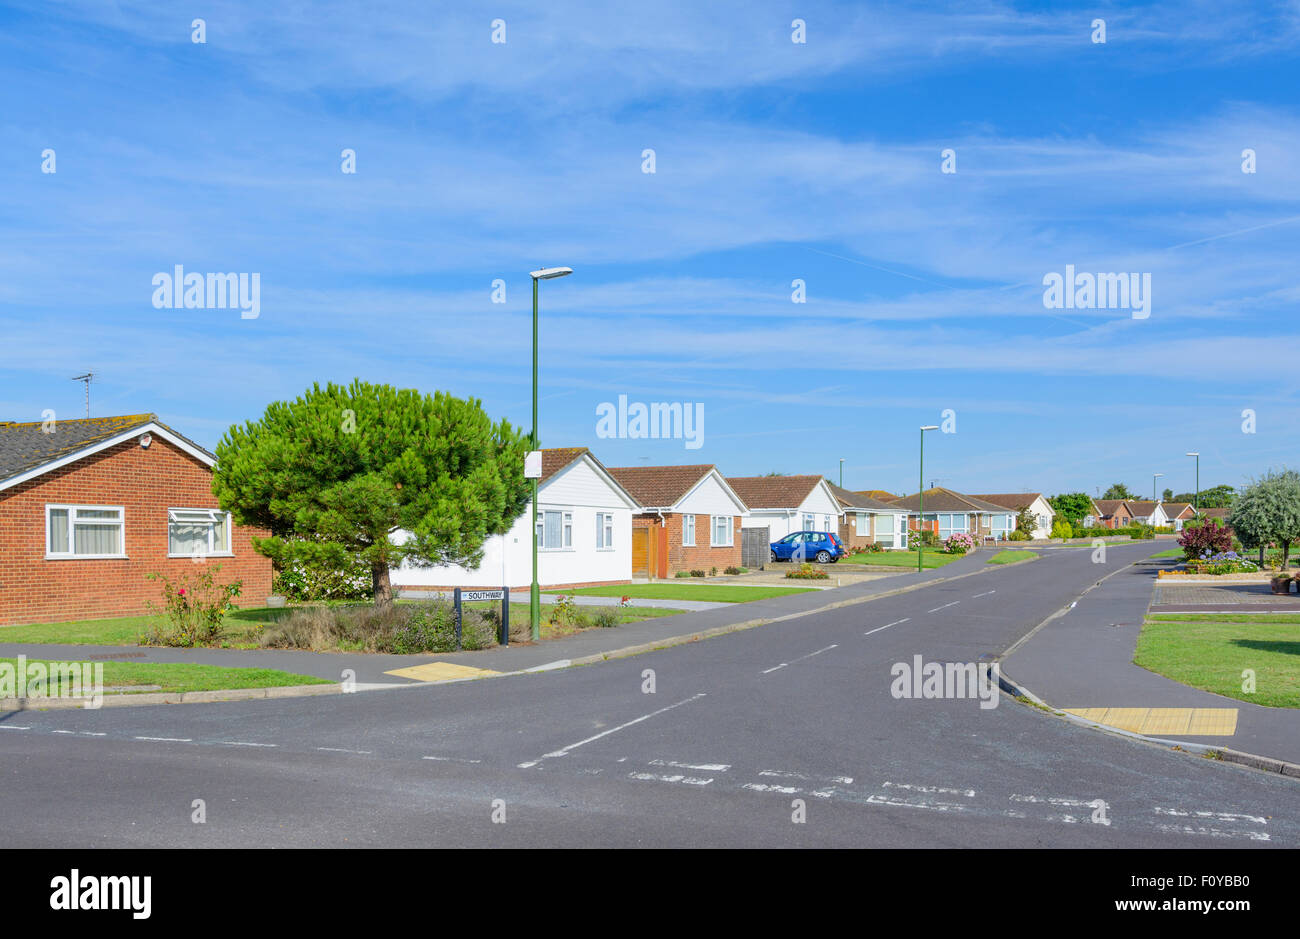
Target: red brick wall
[[702, 556], [146, 483]]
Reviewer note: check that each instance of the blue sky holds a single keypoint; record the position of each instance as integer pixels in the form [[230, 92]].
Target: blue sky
[[775, 161]]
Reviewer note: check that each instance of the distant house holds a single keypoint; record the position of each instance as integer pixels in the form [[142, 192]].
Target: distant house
[[1179, 513], [882, 495], [89, 507], [584, 535], [1220, 513], [866, 520], [1093, 518], [1113, 513], [1039, 509], [786, 504], [1148, 513], [688, 518], [948, 512]]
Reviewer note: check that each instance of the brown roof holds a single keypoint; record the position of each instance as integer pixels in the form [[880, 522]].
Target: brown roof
[[26, 446], [1219, 512], [773, 492], [1010, 500], [558, 458], [659, 486], [858, 500], [940, 499], [882, 494], [1108, 507], [1140, 508], [1175, 509]]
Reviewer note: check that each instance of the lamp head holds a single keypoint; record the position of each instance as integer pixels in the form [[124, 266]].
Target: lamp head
[[550, 273]]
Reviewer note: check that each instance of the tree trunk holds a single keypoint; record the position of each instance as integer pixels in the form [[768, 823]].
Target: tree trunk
[[379, 580], [1286, 555]]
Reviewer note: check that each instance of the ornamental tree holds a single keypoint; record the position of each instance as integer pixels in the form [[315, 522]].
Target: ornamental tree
[[1071, 506], [1118, 491], [337, 472], [1209, 536], [1269, 511]]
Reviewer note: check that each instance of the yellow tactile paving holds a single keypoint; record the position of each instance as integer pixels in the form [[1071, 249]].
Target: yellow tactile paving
[[440, 671], [1185, 722]]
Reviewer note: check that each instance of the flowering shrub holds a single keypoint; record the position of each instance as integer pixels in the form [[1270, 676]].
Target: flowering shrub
[[1205, 539], [1225, 562], [958, 543], [194, 606], [624, 601], [808, 572], [563, 612]]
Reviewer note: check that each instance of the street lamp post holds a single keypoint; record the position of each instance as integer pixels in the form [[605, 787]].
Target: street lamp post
[[535, 591], [841, 472], [1154, 477], [1195, 506], [920, 499]]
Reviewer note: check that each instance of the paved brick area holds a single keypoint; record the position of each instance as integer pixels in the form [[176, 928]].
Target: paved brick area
[[1257, 598]]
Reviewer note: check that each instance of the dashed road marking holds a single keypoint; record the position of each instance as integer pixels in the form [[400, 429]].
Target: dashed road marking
[[449, 759], [703, 767], [984, 594], [342, 750], [886, 626], [775, 667], [167, 739], [968, 793], [241, 743], [672, 778], [944, 607], [563, 751]]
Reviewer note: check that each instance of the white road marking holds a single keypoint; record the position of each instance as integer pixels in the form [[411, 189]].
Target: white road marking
[[705, 767], [167, 739], [968, 793], [886, 626], [984, 594], [782, 774], [1049, 800], [91, 733], [765, 787], [240, 743], [15, 727], [1214, 832], [613, 730], [774, 668], [1218, 816], [677, 778], [63, 731], [800, 659], [449, 759], [341, 750], [944, 607], [917, 804]]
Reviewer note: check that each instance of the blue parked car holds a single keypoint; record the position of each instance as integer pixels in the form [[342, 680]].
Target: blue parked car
[[819, 546]]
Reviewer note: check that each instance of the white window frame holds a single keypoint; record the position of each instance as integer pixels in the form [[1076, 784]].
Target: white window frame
[[861, 524], [809, 521], [70, 554], [713, 531], [604, 531], [688, 531], [566, 530], [212, 532]]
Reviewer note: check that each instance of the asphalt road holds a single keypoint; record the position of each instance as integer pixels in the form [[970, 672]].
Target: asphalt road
[[740, 731]]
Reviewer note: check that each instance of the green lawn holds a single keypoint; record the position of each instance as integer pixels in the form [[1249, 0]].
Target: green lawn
[[173, 677], [1211, 652], [1012, 557], [1171, 553], [708, 593], [932, 557]]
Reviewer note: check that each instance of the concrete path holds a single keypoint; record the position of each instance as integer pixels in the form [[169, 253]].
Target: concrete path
[[1084, 660], [639, 602]]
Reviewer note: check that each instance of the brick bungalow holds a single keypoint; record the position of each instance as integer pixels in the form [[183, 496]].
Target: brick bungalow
[[1179, 513], [89, 507], [948, 512], [1115, 513], [1040, 509], [689, 519], [868, 520]]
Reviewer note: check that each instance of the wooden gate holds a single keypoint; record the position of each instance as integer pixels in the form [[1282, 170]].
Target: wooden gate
[[755, 548]]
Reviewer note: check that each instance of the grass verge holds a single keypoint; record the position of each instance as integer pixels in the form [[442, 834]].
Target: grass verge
[[1213, 652], [179, 677], [1012, 557], [932, 558]]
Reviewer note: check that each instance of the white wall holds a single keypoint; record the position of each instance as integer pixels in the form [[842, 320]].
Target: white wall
[[507, 560], [778, 523], [709, 498]]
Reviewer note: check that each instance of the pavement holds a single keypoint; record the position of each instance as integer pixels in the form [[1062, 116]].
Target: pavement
[[1082, 663], [795, 734], [1179, 597]]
